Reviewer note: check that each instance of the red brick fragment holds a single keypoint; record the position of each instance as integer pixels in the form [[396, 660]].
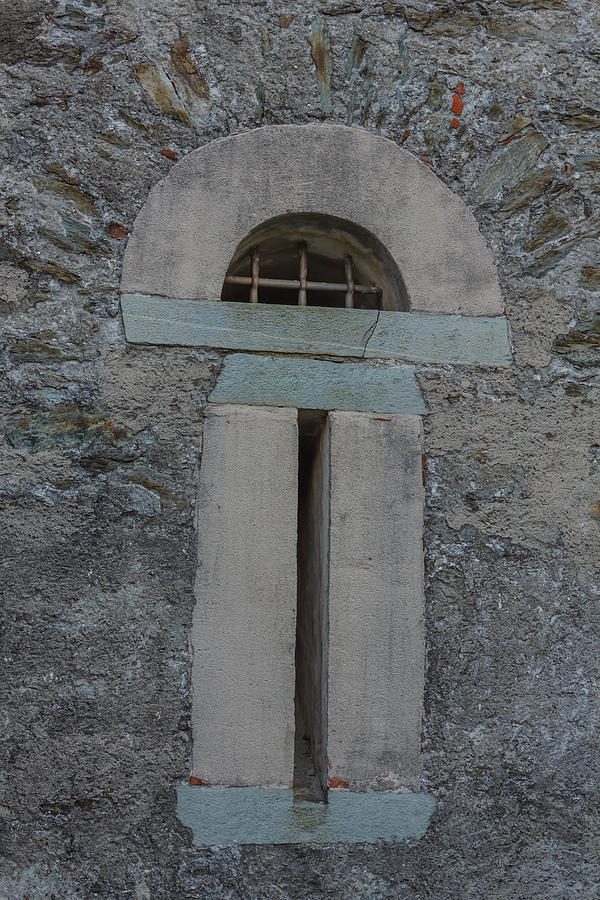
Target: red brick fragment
[[195, 780], [404, 136], [457, 104], [118, 231], [336, 782], [460, 89], [170, 154], [455, 123]]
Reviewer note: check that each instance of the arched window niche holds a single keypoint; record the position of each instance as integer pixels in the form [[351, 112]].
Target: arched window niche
[[342, 193], [343, 264], [308, 635]]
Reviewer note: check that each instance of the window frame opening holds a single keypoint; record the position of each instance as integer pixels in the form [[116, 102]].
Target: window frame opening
[[313, 259], [302, 285]]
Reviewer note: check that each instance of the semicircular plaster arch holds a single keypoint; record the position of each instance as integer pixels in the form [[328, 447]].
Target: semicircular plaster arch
[[193, 220]]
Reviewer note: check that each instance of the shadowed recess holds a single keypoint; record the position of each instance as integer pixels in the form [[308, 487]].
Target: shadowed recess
[[329, 241]]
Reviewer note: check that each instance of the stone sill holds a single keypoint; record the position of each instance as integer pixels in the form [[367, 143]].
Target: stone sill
[[222, 816]]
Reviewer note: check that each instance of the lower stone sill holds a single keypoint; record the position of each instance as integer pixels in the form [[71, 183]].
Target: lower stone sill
[[221, 816]]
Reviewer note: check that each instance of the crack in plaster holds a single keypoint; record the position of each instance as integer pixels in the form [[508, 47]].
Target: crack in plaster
[[369, 334]]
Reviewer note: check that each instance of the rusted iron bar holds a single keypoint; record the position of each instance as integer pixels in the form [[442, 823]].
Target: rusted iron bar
[[303, 259], [255, 280], [310, 285], [349, 283]]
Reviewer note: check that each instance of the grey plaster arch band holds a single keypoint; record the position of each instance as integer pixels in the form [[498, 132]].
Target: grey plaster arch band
[[193, 220]]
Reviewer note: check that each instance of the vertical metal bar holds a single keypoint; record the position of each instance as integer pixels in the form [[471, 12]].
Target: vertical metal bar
[[255, 269], [303, 260], [349, 283]]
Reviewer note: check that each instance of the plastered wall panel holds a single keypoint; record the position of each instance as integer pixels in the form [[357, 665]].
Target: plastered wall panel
[[245, 616]]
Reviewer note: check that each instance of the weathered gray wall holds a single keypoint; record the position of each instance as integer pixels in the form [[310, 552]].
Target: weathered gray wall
[[99, 460]]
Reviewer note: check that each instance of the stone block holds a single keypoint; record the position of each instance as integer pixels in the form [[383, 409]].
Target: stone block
[[315, 330], [376, 606], [317, 384], [243, 633]]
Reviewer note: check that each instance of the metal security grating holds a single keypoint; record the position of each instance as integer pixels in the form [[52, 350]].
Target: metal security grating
[[301, 284]]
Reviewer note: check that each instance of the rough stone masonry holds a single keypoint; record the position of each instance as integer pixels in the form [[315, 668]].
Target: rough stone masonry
[[100, 442]]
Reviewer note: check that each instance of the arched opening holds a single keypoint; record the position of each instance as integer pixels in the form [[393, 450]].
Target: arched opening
[[316, 260]]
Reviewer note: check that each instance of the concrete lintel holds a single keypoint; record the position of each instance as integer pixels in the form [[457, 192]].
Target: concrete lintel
[[221, 816], [317, 384], [313, 330]]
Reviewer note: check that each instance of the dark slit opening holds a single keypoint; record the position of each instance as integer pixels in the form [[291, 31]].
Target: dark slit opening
[[310, 748]]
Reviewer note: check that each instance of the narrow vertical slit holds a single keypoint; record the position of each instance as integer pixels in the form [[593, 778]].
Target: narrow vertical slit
[[310, 748]]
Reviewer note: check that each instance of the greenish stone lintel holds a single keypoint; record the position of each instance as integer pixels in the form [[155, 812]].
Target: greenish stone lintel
[[316, 384], [221, 816], [317, 331]]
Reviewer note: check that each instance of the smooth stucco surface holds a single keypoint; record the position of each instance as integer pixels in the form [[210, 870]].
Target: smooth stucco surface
[[193, 220], [376, 605], [243, 632]]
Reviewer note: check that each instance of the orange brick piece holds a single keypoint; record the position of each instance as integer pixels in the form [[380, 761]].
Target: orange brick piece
[[118, 231], [336, 782], [455, 122], [457, 105]]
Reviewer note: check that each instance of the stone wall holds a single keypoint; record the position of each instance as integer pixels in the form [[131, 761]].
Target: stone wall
[[100, 448]]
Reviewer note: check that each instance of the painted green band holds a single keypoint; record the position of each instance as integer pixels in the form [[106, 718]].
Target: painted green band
[[314, 330], [317, 384], [235, 815]]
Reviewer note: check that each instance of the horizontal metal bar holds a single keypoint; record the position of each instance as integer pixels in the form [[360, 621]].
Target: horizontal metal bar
[[310, 285]]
